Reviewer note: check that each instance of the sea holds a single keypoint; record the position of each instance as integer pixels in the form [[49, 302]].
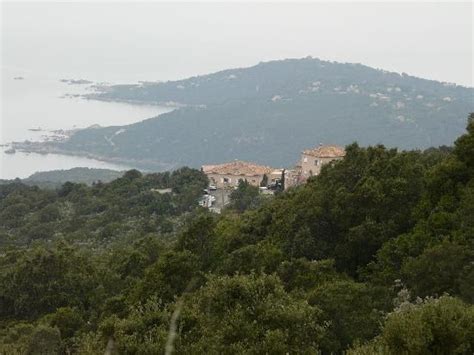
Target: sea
[[35, 104]]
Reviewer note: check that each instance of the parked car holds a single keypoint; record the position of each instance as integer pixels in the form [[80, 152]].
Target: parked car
[[274, 185], [212, 187], [206, 191]]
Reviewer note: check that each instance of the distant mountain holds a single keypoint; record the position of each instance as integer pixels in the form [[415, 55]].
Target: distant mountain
[[270, 112]]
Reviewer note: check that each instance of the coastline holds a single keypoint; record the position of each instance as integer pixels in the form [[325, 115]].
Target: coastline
[[48, 136], [44, 148], [172, 105]]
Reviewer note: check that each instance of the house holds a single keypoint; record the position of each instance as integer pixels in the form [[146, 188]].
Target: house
[[229, 174], [313, 159], [293, 177]]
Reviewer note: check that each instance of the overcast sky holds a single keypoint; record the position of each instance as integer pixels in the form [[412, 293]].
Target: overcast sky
[[159, 41]]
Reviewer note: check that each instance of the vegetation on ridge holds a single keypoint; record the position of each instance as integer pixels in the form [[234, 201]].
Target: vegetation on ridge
[[374, 255]]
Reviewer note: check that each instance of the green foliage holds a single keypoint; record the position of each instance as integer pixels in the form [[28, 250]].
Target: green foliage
[[198, 237], [244, 197], [144, 331], [28, 339], [101, 213], [40, 281], [349, 211], [436, 255], [440, 269], [302, 274], [248, 314], [464, 146], [262, 257], [68, 320], [353, 311], [128, 266], [170, 276], [434, 326]]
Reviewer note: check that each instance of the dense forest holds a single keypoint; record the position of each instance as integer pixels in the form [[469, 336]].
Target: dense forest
[[373, 256]]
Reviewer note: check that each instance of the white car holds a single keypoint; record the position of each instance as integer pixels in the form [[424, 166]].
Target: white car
[[212, 187]]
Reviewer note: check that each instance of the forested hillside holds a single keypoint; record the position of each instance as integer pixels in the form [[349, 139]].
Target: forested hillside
[[99, 214], [375, 255], [55, 178], [270, 112]]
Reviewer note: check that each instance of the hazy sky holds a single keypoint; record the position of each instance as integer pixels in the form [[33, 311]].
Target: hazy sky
[[160, 41]]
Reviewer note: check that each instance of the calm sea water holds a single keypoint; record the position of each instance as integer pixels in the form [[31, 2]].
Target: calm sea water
[[36, 102]]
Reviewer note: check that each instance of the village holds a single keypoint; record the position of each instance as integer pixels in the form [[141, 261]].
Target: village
[[225, 177]]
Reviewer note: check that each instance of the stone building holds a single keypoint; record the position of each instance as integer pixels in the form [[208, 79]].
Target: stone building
[[228, 174], [293, 177], [313, 159]]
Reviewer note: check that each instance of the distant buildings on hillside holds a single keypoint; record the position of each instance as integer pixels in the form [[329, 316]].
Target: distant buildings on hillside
[[229, 174]]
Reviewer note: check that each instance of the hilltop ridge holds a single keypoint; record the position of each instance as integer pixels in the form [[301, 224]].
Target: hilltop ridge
[[268, 113]]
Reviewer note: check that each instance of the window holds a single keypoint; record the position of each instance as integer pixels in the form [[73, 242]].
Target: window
[[316, 162], [305, 160], [225, 180]]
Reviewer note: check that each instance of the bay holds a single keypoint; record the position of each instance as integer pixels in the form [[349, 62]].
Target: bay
[[35, 105]]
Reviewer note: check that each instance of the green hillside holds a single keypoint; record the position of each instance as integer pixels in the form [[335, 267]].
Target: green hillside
[[373, 256], [270, 112]]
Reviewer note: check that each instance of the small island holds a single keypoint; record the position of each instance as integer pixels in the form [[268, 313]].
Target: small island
[[76, 81]]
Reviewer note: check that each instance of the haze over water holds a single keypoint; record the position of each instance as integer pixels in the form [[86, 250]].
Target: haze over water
[[36, 102]]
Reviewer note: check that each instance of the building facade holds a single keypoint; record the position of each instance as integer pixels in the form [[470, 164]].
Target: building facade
[[229, 174], [312, 160], [293, 177]]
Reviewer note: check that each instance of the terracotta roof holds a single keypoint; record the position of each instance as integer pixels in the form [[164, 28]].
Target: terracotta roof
[[237, 168], [326, 151]]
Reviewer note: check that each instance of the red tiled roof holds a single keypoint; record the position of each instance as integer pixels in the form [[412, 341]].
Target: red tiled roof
[[326, 151], [237, 168]]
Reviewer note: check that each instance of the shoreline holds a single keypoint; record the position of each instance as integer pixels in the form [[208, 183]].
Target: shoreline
[[172, 105], [44, 148], [51, 140]]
